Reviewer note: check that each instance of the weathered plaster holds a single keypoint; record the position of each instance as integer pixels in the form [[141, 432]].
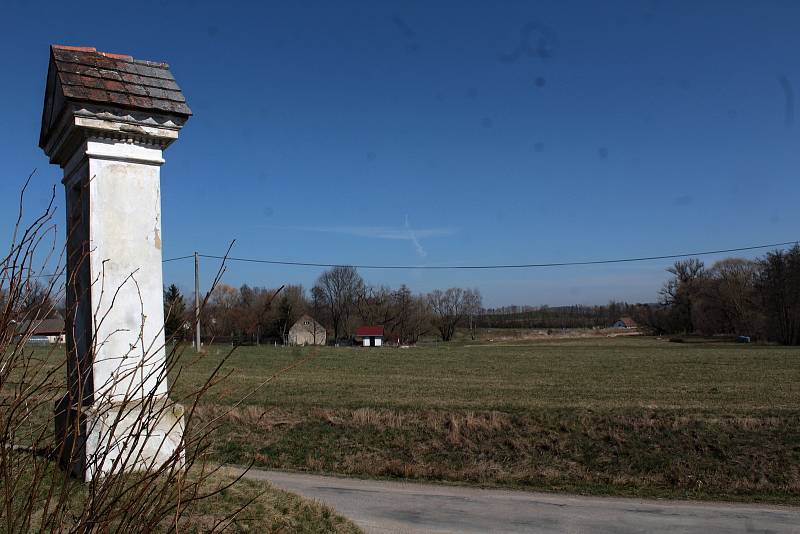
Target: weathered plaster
[[112, 176]]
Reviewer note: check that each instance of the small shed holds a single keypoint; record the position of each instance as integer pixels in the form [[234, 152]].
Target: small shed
[[307, 331], [624, 322], [370, 336]]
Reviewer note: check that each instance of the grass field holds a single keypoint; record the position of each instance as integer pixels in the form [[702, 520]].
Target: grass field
[[630, 416]]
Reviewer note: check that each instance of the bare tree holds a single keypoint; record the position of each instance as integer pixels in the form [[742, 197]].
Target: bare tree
[[222, 302], [729, 299], [403, 302], [292, 305], [317, 300], [680, 293], [340, 287], [375, 306], [779, 289], [451, 307]]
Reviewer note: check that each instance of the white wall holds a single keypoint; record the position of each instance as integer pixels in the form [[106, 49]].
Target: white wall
[[125, 261]]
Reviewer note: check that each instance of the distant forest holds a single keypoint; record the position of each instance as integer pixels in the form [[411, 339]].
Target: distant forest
[[555, 317]]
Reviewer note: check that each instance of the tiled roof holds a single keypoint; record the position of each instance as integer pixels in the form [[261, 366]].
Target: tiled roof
[[367, 331], [101, 78], [42, 327]]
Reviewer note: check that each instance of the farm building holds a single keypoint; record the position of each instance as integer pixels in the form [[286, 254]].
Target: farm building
[[624, 322], [43, 331], [307, 331], [370, 336]]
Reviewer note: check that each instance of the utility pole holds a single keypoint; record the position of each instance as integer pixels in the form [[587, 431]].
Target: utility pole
[[197, 301]]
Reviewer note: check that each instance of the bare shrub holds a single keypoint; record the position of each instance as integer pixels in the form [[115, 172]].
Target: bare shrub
[[131, 489]]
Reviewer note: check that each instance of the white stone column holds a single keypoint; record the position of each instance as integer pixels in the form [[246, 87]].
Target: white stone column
[[117, 415]]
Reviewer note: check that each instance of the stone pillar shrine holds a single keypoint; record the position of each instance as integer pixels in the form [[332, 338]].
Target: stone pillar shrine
[[106, 122]]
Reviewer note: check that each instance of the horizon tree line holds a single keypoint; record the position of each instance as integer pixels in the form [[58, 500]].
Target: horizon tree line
[[340, 300], [759, 298]]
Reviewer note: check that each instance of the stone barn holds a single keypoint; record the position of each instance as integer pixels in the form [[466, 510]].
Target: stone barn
[[307, 331]]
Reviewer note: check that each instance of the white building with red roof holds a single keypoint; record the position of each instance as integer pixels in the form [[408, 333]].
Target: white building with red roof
[[370, 336]]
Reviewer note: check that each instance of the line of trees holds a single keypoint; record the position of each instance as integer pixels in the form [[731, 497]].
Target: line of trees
[[340, 299], [758, 298], [555, 317]]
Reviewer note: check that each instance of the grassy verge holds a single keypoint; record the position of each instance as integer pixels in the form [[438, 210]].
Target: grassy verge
[[271, 510], [267, 509], [641, 453]]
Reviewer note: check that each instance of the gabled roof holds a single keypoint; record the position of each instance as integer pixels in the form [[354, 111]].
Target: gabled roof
[[82, 74], [628, 321], [306, 317], [368, 331], [86, 74]]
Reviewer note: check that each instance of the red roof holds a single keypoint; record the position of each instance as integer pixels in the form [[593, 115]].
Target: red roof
[[369, 331]]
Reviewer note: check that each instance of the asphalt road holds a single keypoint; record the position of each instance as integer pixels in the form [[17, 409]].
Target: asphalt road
[[402, 507]]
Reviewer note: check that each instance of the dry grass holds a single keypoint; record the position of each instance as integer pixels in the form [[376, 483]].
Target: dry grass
[[649, 453], [270, 510]]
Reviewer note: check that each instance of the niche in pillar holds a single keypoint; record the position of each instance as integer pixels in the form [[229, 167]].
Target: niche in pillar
[[79, 323], [107, 120]]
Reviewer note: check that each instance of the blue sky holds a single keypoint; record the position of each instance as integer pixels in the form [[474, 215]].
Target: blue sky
[[485, 132]]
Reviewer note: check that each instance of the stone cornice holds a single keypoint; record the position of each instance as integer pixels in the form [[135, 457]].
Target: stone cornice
[[78, 125]]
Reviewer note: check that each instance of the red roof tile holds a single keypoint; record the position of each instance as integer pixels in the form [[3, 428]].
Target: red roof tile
[[103, 78], [367, 331]]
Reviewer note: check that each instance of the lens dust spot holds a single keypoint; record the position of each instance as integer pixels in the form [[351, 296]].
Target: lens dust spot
[[683, 200], [536, 40], [788, 100]]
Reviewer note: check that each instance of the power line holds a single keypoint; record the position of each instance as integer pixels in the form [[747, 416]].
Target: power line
[[500, 266], [57, 275], [470, 267], [178, 258]]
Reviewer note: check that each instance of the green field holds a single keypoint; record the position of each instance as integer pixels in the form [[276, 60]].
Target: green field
[[629, 416]]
